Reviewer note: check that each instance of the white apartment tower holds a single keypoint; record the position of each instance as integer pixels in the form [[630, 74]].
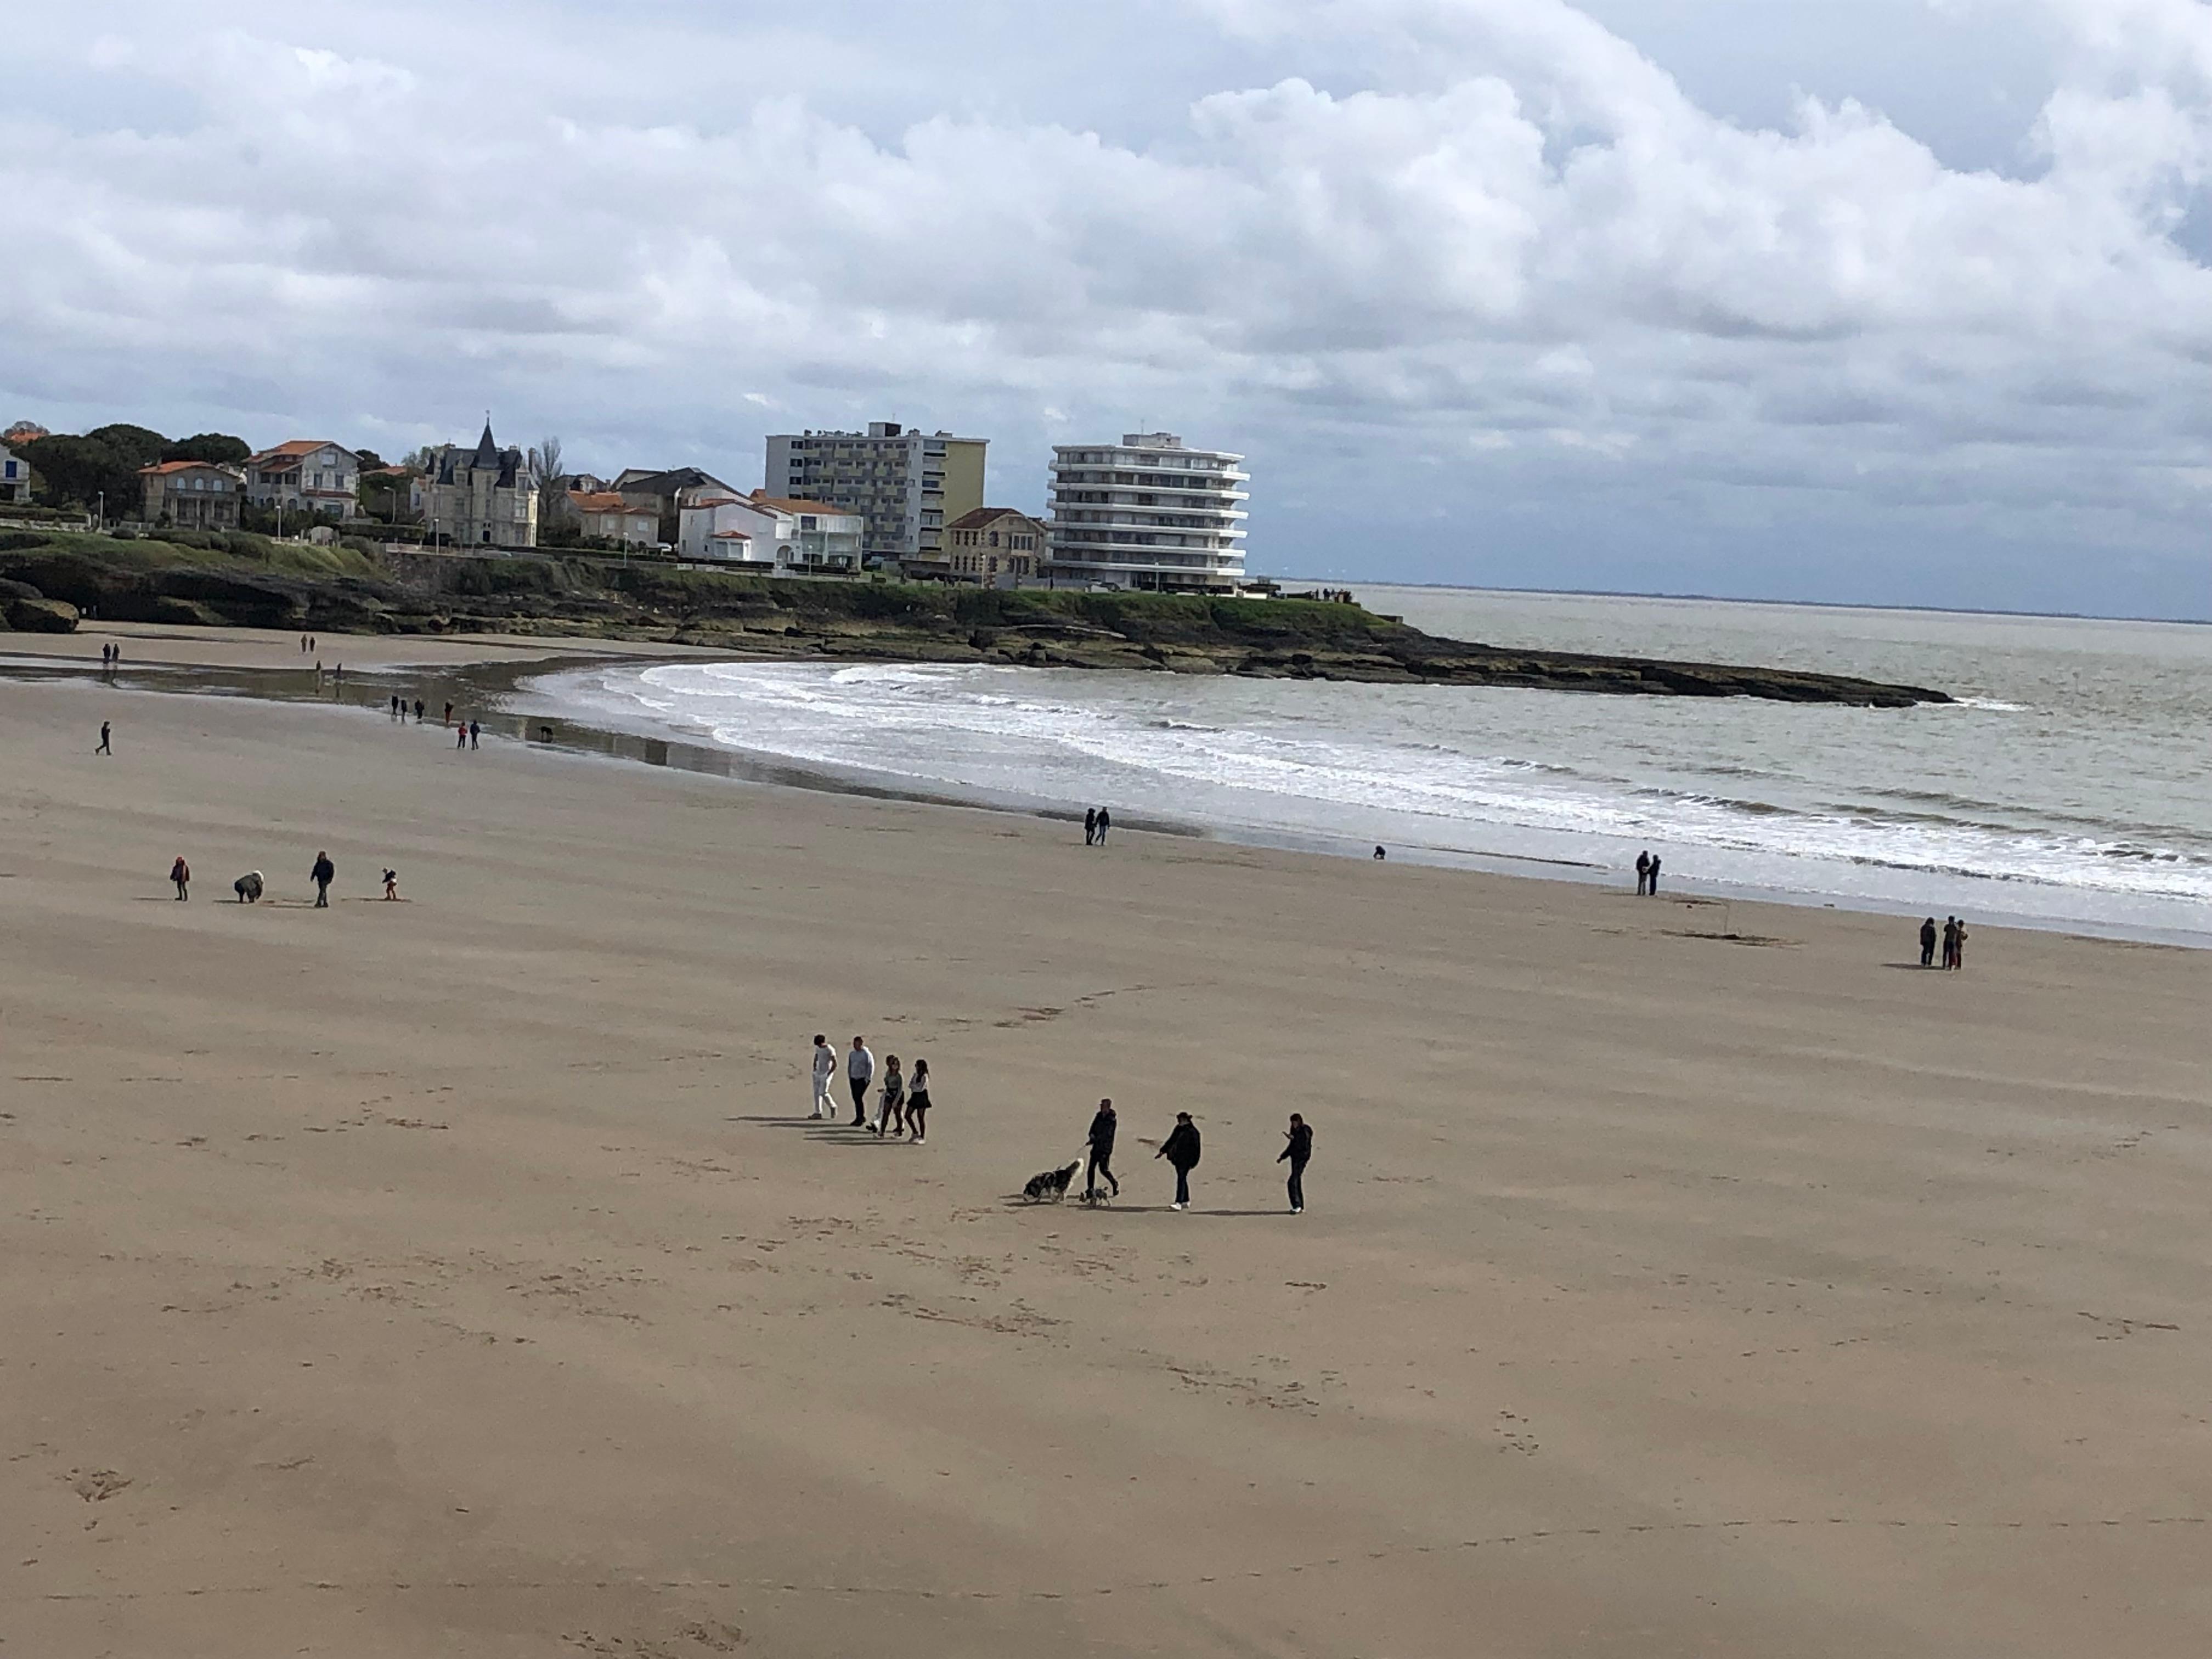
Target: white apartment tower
[[908, 484], [1148, 513]]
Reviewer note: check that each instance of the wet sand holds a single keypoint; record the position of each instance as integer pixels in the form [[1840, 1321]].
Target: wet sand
[[464, 1276]]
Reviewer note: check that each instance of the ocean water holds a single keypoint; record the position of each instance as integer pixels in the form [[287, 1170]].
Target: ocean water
[[2071, 786]]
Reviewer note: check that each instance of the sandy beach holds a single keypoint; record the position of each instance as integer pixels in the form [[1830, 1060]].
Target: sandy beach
[[464, 1276]]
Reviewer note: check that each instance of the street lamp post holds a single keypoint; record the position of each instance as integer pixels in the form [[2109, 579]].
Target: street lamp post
[[101, 522]]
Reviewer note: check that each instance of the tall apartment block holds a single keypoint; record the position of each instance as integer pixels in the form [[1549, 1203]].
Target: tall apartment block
[[1148, 513], [908, 484]]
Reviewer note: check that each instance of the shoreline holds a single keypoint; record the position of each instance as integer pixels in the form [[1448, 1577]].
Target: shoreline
[[498, 668], [468, 1271]]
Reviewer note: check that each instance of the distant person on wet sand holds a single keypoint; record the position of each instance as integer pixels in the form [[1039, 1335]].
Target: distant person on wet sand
[[1297, 1151], [418, 711], [1090, 826], [1655, 875], [1380, 855], [1104, 1125], [248, 887], [1105, 823], [475, 732], [825, 1070], [1928, 943], [917, 1102], [1642, 874], [859, 1071], [181, 873], [460, 737], [1959, 946], [449, 713], [1181, 1149], [323, 875], [103, 749], [391, 884]]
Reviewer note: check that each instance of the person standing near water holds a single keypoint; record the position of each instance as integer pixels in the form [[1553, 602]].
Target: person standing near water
[[1105, 823], [103, 749], [324, 874], [1297, 1151], [1089, 826], [1655, 875], [1928, 943], [475, 732], [1950, 940], [1959, 945], [1642, 874], [1181, 1149], [860, 1069]]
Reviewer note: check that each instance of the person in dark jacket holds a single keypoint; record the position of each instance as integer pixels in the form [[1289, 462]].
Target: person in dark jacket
[[1928, 943], [1090, 826], [1181, 1150], [1298, 1150], [181, 873], [248, 887], [1642, 874], [1105, 824], [1103, 1126], [323, 873]]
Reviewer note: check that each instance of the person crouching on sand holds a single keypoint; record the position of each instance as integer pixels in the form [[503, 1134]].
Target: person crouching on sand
[[917, 1102], [248, 887], [1181, 1150], [181, 873], [891, 1105]]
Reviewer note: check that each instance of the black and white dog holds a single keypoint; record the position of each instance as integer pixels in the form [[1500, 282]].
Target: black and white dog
[[1052, 1184]]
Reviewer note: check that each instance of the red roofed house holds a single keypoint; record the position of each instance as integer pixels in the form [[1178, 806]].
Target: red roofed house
[[605, 515], [305, 475], [192, 494]]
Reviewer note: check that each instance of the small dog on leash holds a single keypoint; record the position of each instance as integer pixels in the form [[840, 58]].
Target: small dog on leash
[[1052, 1184]]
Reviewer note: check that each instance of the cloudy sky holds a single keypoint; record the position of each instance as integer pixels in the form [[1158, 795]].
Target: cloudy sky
[[1893, 300]]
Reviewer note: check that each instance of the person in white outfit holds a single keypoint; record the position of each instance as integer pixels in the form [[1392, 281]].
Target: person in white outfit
[[859, 1070], [825, 1068]]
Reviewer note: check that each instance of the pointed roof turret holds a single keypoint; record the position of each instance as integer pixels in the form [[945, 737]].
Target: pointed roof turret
[[487, 453]]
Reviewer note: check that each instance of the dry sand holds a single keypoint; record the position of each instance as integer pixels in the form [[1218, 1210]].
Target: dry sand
[[462, 1276]]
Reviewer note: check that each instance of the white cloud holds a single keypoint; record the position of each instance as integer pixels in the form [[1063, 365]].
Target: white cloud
[[1487, 231]]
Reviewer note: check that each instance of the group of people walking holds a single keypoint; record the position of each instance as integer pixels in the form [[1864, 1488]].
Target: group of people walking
[[250, 886], [1952, 937], [901, 1103], [1181, 1149], [467, 734], [1096, 821]]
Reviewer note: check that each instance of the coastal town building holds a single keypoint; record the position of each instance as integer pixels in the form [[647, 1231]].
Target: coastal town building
[[606, 515], [772, 535], [907, 485], [481, 497], [991, 546], [15, 476], [666, 491], [191, 494], [307, 476], [1148, 513]]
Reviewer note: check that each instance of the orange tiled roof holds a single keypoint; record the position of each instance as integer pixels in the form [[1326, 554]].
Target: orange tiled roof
[[293, 451], [164, 467], [820, 509], [605, 500]]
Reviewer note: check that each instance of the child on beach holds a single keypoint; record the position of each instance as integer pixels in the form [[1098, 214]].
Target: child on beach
[[890, 1108], [917, 1102]]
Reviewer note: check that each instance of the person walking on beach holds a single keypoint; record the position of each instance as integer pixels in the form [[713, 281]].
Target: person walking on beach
[[1642, 874], [1950, 941], [1090, 826], [1105, 823], [860, 1069], [181, 873], [324, 874], [418, 711], [891, 1105], [303, 645], [917, 1102], [825, 1070], [1104, 1126], [460, 737], [1181, 1150], [1928, 943], [103, 749], [391, 884], [475, 732], [1298, 1149], [395, 706]]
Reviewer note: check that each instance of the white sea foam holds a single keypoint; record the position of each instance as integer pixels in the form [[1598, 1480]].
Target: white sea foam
[[2045, 818]]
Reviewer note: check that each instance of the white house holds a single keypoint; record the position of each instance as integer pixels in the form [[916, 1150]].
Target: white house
[[772, 535], [15, 475], [307, 475]]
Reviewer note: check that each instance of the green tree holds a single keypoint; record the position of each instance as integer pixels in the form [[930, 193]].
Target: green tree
[[370, 461], [80, 471], [135, 444], [219, 448]]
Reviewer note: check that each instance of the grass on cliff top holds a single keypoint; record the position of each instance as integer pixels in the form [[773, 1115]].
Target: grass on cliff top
[[235, 550]]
